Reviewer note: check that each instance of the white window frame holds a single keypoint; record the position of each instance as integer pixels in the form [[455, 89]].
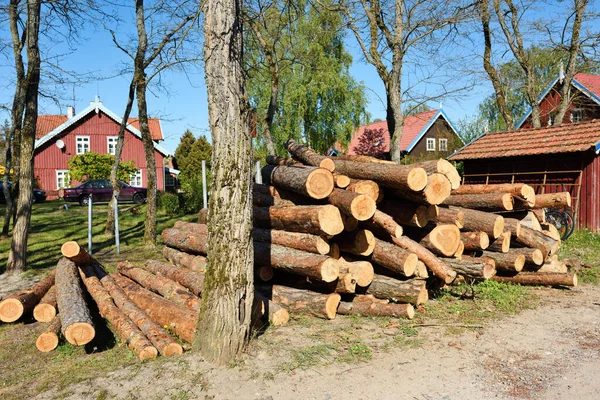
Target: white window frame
[[111, 140], [83, 140], [443, 144], [430, 144], [579, 111], [133, 179], [64, 175]]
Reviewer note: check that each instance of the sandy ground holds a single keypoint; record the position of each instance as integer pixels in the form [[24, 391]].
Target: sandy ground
[[552, 352]]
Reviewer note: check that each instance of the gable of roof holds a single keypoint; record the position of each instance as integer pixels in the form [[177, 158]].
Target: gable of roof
[[566, 138], [51, 121]]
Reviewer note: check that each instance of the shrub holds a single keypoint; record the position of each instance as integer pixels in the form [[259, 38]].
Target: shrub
[[169, 202]]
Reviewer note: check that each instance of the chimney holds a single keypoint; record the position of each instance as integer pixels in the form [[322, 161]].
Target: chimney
[[70, 112]]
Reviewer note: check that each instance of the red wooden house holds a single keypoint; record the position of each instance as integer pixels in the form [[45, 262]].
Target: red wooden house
[[60, 137]]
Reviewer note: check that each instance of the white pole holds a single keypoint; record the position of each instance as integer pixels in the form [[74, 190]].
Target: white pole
[[258, 175], [204, 193], [90, 224], [117, 226]]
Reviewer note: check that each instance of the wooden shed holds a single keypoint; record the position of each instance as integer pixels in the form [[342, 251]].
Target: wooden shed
[[552, 159]]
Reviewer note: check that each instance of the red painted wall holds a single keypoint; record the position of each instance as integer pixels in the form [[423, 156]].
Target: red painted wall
[[50, 158], [550, 103]]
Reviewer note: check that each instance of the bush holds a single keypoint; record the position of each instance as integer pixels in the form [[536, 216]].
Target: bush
[[169, 202], [191, 200]]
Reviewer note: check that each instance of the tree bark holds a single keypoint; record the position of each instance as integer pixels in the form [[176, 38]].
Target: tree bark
[[501, 244], [276, 160], [362, 158], [514, 226], [411, 291], [359, 206], [405, 177], [45, 310], [14, 306], [484, 202], [394, 258], [298, 301], [383, 225], [191, 242], [511, 262], [474, 241], [530, 238], [489, 223], [192, 280], [48, 340], [443, 167], [437, 266], [553, 200], [450, 216], [309, 156], [185, 260], [473, 268], [406, 214], [316, 183], [201, 229], [516, 189], [359, 242], [299, 241], [533, 257], [375, 308], [539, 278], [317, 220], [264, 200]]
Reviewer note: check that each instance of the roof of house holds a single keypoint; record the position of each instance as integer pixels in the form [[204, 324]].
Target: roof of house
[[566, 138], [58, 123], [47, 123], [588, 84], [415, 127]]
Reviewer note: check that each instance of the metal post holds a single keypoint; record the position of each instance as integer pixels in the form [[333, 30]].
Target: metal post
[[258, 175], [204, 192], [90, 224], [118, 243]]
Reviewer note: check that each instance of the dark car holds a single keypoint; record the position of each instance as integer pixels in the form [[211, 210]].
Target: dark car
[[39, 196], [101, 191]]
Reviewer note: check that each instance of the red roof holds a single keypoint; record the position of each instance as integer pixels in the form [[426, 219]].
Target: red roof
[[566, 138], [591, 82], [47, 123], [413, 125]]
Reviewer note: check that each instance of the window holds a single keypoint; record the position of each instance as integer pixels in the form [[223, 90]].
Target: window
[[169, 180], [443, 144], [83, 144], [111, 144], [430, 144], [136, 179], [577, 115], [62, 178]]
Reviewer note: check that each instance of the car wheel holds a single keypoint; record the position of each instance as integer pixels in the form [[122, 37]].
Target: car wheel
[[138, 198], [33, 200], [84, 200]]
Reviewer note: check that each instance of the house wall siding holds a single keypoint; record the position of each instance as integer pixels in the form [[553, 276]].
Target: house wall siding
[[591, 109], [440, 129]]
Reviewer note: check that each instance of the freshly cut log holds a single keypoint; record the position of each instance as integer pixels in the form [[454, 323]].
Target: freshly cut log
[[421, 270], [540, 278], [411, 291], [264, 273], [350, 223], [341, 181], [366, 187], [265, 309], [346, 283], [550, 231], [179, 320], [540, 213], [263, 189], [473, 268], [169, 289], [501, 244], [553, 266], [361, 271], [406, 213], [201, 229], [298, 301], [45, 310], [382, 224], [533, 257], [203, 216], [192, 280], [162, 341], [531, 221], [361, 158], [75, 253], [435, 265], [450, 216], [489, 223], [436, 192], [512, 262], [185, 260], [530, 238], [296, 240], [375, 308], [308, 156], [553, 200], [191, 242], [276, 160], [440, 239], [264, 200], [318, 220], [316, 183], [360, 242], [474, 241], [48, 340], [443, 167], [299, 262], [484, 202], [514, 226], [394, 258], [359, 206], [14, 306], [76, 323], [334, 252], [521, 190], [460, 250], [125, 327]]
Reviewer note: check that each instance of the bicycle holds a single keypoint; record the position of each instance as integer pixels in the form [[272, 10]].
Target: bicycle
[[563, 219]]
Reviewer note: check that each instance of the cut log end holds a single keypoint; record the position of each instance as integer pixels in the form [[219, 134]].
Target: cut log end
[[498, 226], [519, 262], [44, 312], [484, 240], [10, 310], [488, 271], [537, 257], [330, 270], [148, 353], [410, 265], [330, 220], [80, 333], [172, 349], [423, 296], [417, 179], [46, 342], [331, 305], [280, 317], [438, 189], [327, 164], [319, 184], [508, 201], [363, 207], [70, 249], [364, 242]]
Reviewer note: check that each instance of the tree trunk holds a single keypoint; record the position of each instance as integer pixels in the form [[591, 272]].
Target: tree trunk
[[365, 305], [484, 202], [412, 291], [48, 340], [534, 239], [553, 200], [17, 304], [394, 258], [359, 206], [510, 262], [383, 224], [516, 189], [474, 241], [443, 167], [437, 266], [298, 301], [185, 260], [300, 241], [451, 216], [405, 177], [317, 220], [309, 156], [473, 268], [358, 242], [489, 223], [367, 187], [45, 310], [192, 280], [316, 183], [539, 278]]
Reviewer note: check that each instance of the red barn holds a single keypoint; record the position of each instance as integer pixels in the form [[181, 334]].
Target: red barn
[[60, 137]]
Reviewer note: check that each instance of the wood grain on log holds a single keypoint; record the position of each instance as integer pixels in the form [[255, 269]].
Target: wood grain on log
[[360, 242], [192, 280], [15, 305], [362, 271], [45, 310], [475, 221], [318, 220], [359, 206], [435, 265], [475, 240], [421, 270], [316, 183], [185, 260], [366, 187], [411, 291], [296, 240], [501, 244], [436, 192], [298, 301], [341, 181], [450, 216], [440, 239], [394, 258], [308, 156], [48, 340], [443, 167]]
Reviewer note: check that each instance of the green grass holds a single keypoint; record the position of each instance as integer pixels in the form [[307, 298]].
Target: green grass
[[584, 246]]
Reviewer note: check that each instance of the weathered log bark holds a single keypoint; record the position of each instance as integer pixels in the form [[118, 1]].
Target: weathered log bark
[[185, 260], [190, 242], [539, 278], [166, 345], [77, 325], [473, 268], [552, 265], [364, 159], [309, 156], [203, 215], [514, 226], [501, 244], [437, 266], [450, 216], [383, 225], [530, 238], [277, 160], [14, 306], [169, 289], [267, 310], [412, 291], [180, 321], [264, 200], [48, 340], [300, 241], [360, 242], [361, 271], [483, 202], [350, 223], [553, 200], [318, 220], [192, 280], [359, 206], [298, 301], [341, 181], [375, 308], [124, 327], [521, 190], [394, 258], [436, 192], [489, 223], [45, 310], [533, 257], [406, 213], [443, 167], [366, 187], [316, 183], [299, 262], [512, 262], [475, 240], [193, 227], [440, 239]]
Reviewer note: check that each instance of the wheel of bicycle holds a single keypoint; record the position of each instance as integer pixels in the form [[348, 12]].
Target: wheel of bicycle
[[570, 223], [558, 219]]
